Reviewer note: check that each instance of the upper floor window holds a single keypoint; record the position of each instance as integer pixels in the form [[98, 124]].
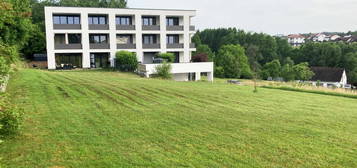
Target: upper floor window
[[149, 21], [66, 19], [125, 39], [98, 38], [172, 39], [123, 20], [149, 39], [97, 20], [172, 21], [74, 39]]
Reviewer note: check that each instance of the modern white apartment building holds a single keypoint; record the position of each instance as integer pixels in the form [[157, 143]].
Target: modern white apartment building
[[90, 37]]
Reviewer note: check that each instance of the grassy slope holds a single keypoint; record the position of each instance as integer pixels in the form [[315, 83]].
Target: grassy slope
[[105, 119]]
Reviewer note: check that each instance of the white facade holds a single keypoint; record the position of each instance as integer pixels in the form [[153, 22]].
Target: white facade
[[296, 40], [155, 33]]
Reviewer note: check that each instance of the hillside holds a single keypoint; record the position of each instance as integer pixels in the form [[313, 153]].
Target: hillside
[[110, 119]]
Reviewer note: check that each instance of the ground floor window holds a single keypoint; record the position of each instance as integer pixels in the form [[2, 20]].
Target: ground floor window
[[72, 60], [99, 60]]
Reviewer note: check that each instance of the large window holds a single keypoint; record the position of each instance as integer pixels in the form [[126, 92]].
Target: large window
[[98, 38], [149, 21], [97, 20], [74, 39], [172, 39], [60, 39], [71, 59], [149, 39], [172, 21], [66, 19], [124, 39], [123, 20], [99, 60]]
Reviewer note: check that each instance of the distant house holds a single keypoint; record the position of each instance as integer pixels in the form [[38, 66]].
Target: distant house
[[329, 77], [335, 37], [296, 39], [320, 37]]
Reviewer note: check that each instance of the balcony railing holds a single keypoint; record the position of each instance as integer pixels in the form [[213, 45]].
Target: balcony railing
[[192, 28], [174, 45], [151, 46], [99, 46], [192, 45], [179, 67], [151, 27], [125, 27], [174, 28], [67, 26], [126, 46], [68, 46], [98, 27]]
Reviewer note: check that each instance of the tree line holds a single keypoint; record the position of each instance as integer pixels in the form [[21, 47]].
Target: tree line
[[259, 53]]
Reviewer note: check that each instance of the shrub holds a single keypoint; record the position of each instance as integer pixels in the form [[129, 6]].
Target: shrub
[[218, 71], [10, 117], [126, 61], [168, 57], [164, 71], [200, 57], [4, 67]]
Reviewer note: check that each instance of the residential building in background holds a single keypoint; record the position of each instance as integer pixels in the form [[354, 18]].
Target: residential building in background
[[90, 38], [329, 77], [296, 39]]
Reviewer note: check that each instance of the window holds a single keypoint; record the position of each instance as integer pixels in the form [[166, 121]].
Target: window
[[124, 39], [74, 39], [123, 20], [149, 21], [97, 20], [149, 39], [172, 39], [172, 21], [66, 19], [60, 38], [98, 38]]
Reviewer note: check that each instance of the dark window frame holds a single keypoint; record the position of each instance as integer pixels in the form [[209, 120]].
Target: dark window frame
[[149, 21], [65, 19], [172, 21], [172, 39], [150, 39], [123, 20], [98, 19], [98, 38]]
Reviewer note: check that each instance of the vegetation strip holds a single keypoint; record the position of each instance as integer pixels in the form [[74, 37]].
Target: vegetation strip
[[311, 91]]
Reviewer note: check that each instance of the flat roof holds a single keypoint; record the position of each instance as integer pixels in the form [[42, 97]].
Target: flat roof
[[121, 8]]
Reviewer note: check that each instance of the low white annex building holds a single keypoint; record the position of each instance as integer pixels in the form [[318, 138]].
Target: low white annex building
[[90, 37], [329, 77]]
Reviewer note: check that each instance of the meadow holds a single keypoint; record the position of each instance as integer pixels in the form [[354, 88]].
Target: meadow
[[112, 119]]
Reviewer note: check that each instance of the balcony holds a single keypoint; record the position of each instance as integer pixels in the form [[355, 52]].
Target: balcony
[[67, 26], [68, 46], [151, 46], [179, 67], [151, 27], [126, 46], [174, 45], [125, 27], [192, 45], [174, 28], [98, 27], [99, 46], [192, 28]]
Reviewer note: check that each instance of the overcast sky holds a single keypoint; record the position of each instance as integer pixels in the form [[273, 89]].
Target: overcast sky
[[268, 16]]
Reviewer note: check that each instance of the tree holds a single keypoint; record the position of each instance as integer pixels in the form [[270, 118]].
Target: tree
[[168, 57], [271, 69], [233, 60], [253, 56], [302, 71], [126, 61], [201, 57], [287, 72], [204, 49]]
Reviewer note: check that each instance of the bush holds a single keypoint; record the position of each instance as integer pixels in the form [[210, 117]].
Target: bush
[[200, 57], [10, 117], [164, 71], [218, 71], [4, 67], [168, 57], [126, 61]]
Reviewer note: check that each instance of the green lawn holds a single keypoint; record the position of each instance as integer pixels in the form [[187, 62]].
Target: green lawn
[[110, 119]]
